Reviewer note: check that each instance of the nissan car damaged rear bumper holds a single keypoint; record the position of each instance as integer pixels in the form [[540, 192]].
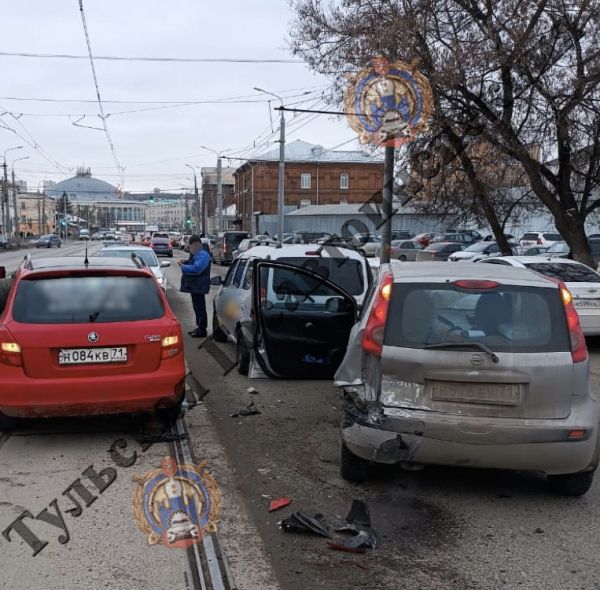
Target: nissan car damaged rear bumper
[[393, 435]]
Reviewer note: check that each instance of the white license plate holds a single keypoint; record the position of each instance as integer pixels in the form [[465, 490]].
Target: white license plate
[[81, 356], [586, 303], [503, 394]]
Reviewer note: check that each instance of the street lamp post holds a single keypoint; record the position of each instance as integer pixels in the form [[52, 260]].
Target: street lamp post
[[5, 208], [16, 212], [196, 200], [281, 180], [219, 187]]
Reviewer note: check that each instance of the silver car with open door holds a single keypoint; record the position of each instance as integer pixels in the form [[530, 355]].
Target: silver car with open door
[[471, 365], [302, 321]]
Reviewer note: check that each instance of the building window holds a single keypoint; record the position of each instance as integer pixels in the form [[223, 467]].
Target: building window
[[23, 206], [343, 201], [304, 202], [305, 181], [23, 219], [344, 181]]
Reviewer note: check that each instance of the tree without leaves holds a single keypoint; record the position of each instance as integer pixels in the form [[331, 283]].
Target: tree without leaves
[[511, 74]]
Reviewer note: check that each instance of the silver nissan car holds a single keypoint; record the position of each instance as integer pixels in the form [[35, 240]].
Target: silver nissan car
[[472, 365]]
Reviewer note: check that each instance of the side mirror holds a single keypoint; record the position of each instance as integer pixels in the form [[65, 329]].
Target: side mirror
[[2, 272], [216, 281], [165, 263]]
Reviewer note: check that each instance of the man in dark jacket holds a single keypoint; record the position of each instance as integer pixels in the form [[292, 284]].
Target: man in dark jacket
[[195, 279]]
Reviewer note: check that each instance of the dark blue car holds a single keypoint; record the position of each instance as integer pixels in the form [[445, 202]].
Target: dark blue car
[[48, 241]]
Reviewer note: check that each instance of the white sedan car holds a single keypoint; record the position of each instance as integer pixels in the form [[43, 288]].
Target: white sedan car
[[475, 252], [581, 280], [145, 253]]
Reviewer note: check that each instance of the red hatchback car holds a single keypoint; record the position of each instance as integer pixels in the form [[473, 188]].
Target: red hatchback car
[[82, 339]]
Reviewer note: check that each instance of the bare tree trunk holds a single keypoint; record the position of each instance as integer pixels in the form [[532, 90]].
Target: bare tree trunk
[[572, 229]]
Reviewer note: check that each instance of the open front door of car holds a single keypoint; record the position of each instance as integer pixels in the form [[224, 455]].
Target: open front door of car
[[302, 321]]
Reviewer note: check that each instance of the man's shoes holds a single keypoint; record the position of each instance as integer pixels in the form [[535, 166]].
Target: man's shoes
[[198, 334]]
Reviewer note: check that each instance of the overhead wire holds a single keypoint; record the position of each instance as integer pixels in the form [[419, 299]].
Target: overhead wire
[[164, 59], [100, 105]]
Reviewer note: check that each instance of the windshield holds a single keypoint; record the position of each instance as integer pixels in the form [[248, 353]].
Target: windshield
[[84, 299], [568, 273], [147, 256], [558, 248], [506, 319], [345, 272], [478, 247]]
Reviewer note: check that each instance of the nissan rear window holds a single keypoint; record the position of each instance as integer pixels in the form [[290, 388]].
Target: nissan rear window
[[85, 299], [345, 272], [530, 237], [568, 273], [505, 319], [553, 237]]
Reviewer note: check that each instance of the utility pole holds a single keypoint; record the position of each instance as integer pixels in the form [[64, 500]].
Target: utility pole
[[386, 210], [196, 199], [281, 180], [219, 195], [5, 220], [43, 230], [40, 217]]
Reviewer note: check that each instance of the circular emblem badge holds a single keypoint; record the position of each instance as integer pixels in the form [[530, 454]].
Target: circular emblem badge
[[388, 104], [176, 504], [477, 359], [93, 337]]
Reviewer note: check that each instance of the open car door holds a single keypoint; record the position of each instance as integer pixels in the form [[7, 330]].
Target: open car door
[[302, 321]]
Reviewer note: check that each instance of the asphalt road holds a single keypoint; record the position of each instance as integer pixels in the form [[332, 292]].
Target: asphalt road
[[438, 528]]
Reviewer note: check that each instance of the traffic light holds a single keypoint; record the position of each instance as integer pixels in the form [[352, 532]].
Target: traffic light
[[188, 221]]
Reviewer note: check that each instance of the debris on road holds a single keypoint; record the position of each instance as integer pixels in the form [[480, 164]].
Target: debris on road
[[250, 410], [278, 503], [263, 471], [252, 391], [358, 526], [302, 523]]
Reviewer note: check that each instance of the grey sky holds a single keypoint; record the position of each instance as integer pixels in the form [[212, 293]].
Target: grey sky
[[180, 28]]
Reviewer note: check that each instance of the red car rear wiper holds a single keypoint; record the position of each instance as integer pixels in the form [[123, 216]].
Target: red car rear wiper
[[479, 345]]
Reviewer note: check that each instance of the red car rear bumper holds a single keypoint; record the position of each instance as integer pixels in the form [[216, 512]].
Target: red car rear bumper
[[23, 397]]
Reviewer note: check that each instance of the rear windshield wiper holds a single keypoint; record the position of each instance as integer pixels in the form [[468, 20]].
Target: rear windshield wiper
[[482, 347]]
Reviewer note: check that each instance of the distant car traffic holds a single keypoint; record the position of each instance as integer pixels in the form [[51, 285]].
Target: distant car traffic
[[438, 251], [98, 236], [146, 254], [80, 339], [533, 250], [465, 364], [161, 246], [581, 280], [3, 242], [368, 245], [464, 238], [48, 241], [311, 319], [84, 234], [248, 243], [561, 249]]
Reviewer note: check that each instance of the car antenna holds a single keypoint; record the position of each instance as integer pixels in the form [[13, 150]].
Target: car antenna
[[86, 261]]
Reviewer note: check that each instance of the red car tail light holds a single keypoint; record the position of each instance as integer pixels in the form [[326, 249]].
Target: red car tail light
[[10, 353], [224, 247], [372, 340], [579, 350], [539, 242], [172, 343]]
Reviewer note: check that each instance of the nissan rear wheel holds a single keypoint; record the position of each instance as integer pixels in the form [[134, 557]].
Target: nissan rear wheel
[[571, 484], [217, 332], [353, 468], [402, 258]]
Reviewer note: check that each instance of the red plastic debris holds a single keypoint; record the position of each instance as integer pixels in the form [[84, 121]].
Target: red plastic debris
[[278, 503]]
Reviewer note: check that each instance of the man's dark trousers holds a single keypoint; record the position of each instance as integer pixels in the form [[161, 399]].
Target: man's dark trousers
[[199, 303]]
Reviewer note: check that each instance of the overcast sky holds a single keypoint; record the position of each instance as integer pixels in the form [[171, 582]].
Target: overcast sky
[[153, 145]]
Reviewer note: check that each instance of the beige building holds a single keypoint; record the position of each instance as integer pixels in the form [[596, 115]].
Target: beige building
[[167, 213], [35, 213]]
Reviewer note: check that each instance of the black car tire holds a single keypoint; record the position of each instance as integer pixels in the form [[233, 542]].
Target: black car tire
[[402, 258], [49, 245], [242, 354], [362, 252], [571, 484], [171, 255], [217, 332], [7, 424], [58, 245], [353, 468]]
